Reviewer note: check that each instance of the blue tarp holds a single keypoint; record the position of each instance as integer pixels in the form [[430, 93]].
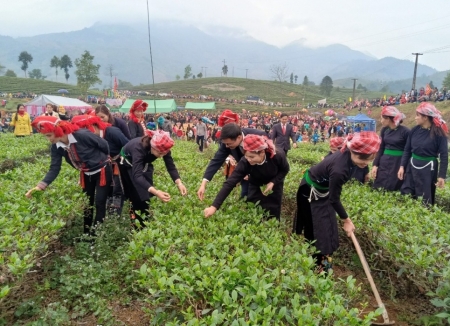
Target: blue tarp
[[362, 118]]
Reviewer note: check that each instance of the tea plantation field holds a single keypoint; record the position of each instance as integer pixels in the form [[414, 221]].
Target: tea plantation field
[[231, 269]]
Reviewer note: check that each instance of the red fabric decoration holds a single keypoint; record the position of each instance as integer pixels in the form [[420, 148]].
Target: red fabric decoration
[[46, 124], [218, 133], [115, 168], [161, 141], [392, 111], [337, 142], [228, 116], [88, 122], [137, 105], [364, 142], [257, 143], [430, 110], [103, 177], [82, 184]]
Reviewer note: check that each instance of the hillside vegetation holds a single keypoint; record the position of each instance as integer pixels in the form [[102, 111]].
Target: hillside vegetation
[[240, 88], [15, 85]]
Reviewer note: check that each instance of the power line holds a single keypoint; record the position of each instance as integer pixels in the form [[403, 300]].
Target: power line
[[151, 57]]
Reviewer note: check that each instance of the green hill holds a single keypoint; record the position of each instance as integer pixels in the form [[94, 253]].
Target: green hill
[[240, 88], [38, 86]]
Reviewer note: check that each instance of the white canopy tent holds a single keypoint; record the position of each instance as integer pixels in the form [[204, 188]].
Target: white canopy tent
[[37, 105]]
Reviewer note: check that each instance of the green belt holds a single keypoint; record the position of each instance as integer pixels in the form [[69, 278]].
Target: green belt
[[393, 152], [312, 183], [424, 158], [122, 153]]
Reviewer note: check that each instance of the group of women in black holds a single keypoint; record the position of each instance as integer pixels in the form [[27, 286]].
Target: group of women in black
[[405, 160]]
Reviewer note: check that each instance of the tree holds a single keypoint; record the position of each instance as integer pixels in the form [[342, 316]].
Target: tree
[[124, 84], [446, 82], [199, 75], [87, 72], [36, 73], [177, 77], [431, 84], [225, 70], [385, 89], [326, 86], [305, 81], [193, 76], [65, 64], [295, 78], [25, 58], [2, 69], [291, 78], [279, 72], [10, 73], [55, 62], [187, 72]]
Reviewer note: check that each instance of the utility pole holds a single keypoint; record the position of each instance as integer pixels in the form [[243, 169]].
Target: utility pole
[[246, 73], [202, 71], [415, 69], [223, 66], [354, 84], [205, 70]]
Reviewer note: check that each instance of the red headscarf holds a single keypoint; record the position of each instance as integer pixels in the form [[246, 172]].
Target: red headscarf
[[392, 111], [46, 124], [257, 143], [137, 105], [160, 140], [228, 116], [337, 142], [430, 110], [364, 142], [88, 122]]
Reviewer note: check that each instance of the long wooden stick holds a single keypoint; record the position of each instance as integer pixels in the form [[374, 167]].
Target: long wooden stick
[[363, 260]]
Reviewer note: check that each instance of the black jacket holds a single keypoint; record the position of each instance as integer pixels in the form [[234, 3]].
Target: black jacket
[[122, 125], [223, 152], [90, 150], [116, 140], [142, 160], [136, 129]]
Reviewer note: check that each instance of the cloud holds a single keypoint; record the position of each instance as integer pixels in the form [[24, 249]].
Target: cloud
[[358, 24]]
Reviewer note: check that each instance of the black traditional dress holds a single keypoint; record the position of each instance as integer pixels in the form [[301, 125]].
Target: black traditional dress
[[420, 161], [389, 157], [116, 140], [273, 170], [318, 201], [136, 171], [358, 173]]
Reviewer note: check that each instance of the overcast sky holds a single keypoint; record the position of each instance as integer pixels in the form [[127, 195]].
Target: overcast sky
[[380, 27]]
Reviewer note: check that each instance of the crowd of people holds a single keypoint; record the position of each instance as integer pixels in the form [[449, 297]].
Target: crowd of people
[[115, 160]]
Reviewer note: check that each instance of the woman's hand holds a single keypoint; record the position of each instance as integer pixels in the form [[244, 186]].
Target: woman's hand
[[268, 189], [348, 227], [373, 173], [163, 196], [182, 188], [30, 192], [440, 183], [401, 173], [209, 211]]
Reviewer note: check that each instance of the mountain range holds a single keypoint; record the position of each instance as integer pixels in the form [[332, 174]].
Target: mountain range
[[174, 46]]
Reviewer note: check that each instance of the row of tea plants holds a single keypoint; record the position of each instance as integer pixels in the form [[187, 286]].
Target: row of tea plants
[[28, 226]]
